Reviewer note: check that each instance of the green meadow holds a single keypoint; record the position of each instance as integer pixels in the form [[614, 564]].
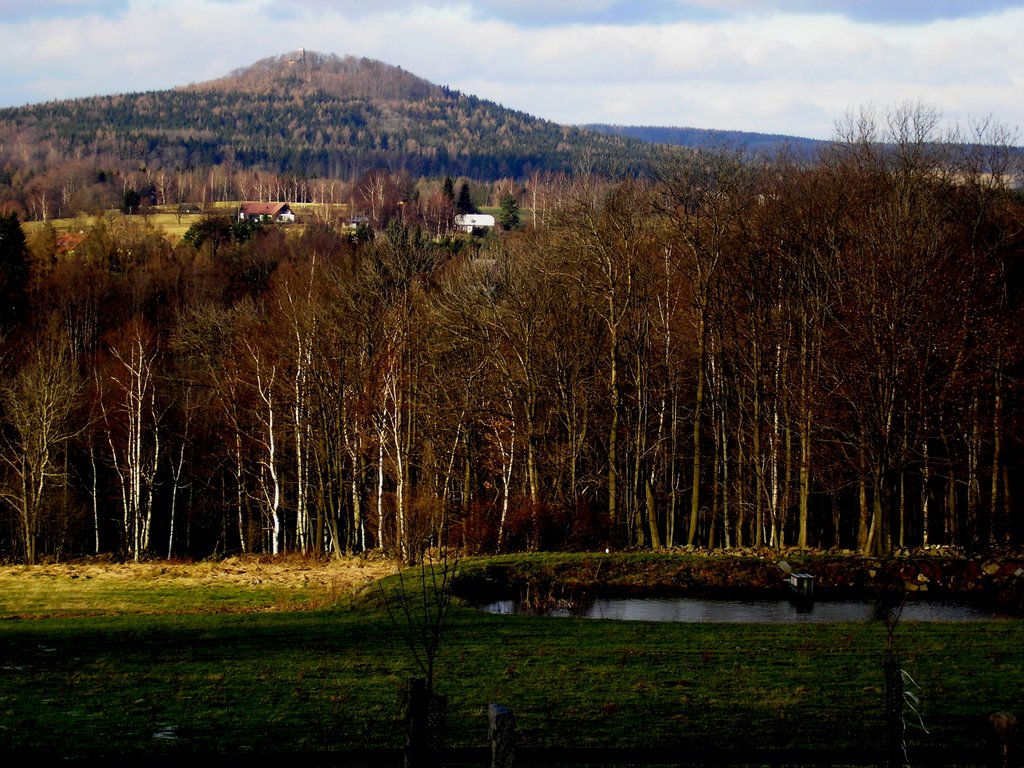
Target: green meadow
[[270, 667]]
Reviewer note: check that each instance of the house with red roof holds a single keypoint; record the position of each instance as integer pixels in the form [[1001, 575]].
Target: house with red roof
[[67, 242], [277, 212]]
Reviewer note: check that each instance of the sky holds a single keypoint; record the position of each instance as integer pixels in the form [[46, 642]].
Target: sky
[[795, 67]]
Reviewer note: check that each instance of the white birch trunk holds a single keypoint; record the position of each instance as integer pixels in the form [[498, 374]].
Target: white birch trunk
[[269, 480], [380, 481], [136, 461], [508, 457], [396, 423]]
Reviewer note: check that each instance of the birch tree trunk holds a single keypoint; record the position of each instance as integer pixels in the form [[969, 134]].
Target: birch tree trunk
[[269, 475], [133, 435]]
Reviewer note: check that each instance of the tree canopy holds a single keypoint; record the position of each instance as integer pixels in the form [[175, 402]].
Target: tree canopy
[[729, 354]]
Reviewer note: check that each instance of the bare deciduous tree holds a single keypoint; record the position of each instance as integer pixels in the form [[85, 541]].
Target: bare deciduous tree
[[38, 407]]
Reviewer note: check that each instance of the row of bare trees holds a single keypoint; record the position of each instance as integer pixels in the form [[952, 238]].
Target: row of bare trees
[[92, 186], [734, 354]]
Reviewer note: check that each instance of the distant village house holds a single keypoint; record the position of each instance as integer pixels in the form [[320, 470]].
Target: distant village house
[[278, 212], [467, 222], [67, 242]]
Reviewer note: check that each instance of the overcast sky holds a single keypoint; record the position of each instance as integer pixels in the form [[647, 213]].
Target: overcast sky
[[777, 66]]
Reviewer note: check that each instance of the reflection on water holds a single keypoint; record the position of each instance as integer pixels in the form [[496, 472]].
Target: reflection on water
[[692, 610]]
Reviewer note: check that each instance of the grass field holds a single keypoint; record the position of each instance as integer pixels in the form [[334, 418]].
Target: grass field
[[265, 656], [173, 225], [95, 588]]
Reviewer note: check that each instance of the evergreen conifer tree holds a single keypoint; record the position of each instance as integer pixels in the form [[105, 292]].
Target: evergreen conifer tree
[[509, 216], [464, 204], [13, 269]]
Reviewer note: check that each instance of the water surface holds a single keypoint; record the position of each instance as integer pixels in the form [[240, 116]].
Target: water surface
[[695, 610]]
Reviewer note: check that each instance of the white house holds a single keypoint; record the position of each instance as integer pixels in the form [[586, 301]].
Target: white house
[[467, 222]]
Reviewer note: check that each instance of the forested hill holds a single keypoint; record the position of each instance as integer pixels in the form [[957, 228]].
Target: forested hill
[[312, 115], [754, 143], [310, 73]]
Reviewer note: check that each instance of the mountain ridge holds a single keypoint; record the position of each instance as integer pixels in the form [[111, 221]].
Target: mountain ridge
[[370, 94], [714, 138], [300, 116], [346, 76], [317, 116]]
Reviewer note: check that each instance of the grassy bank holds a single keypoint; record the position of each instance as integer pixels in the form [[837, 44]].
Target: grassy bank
[[325, 678], [97, 587]]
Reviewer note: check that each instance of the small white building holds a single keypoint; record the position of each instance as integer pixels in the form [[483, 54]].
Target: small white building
[[467, 222]]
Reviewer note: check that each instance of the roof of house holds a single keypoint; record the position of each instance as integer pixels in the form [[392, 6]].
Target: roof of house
[[475, 220], [67, 242], [264, 209]]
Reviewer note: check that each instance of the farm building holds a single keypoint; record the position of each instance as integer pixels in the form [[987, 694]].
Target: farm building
[[279, 212], [470, 221]]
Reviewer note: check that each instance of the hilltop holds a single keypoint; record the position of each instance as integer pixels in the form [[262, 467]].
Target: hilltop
[[316, 116], [311, 74]]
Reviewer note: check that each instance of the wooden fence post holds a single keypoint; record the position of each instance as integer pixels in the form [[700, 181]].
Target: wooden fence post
[[894, 725], [502, 732], [1004, 729], [415, 709]]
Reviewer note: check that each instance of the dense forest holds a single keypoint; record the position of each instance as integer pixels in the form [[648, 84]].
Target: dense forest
[[727, 353], [308, 116], [702, 138]]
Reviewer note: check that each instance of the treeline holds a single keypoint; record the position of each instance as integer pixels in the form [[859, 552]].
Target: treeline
[[84, 189], [731, 355], [760, 143]]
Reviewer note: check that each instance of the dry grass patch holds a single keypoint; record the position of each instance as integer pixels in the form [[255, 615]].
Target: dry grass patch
[[87, 588]]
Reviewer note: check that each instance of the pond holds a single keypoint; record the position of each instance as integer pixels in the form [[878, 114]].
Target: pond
[[695, 610]]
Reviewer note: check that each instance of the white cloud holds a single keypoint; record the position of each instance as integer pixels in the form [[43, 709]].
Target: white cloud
[[780, 71]]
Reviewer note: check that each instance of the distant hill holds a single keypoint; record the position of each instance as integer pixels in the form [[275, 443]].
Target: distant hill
[[311, 73], [698, 138], [314, 115]]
